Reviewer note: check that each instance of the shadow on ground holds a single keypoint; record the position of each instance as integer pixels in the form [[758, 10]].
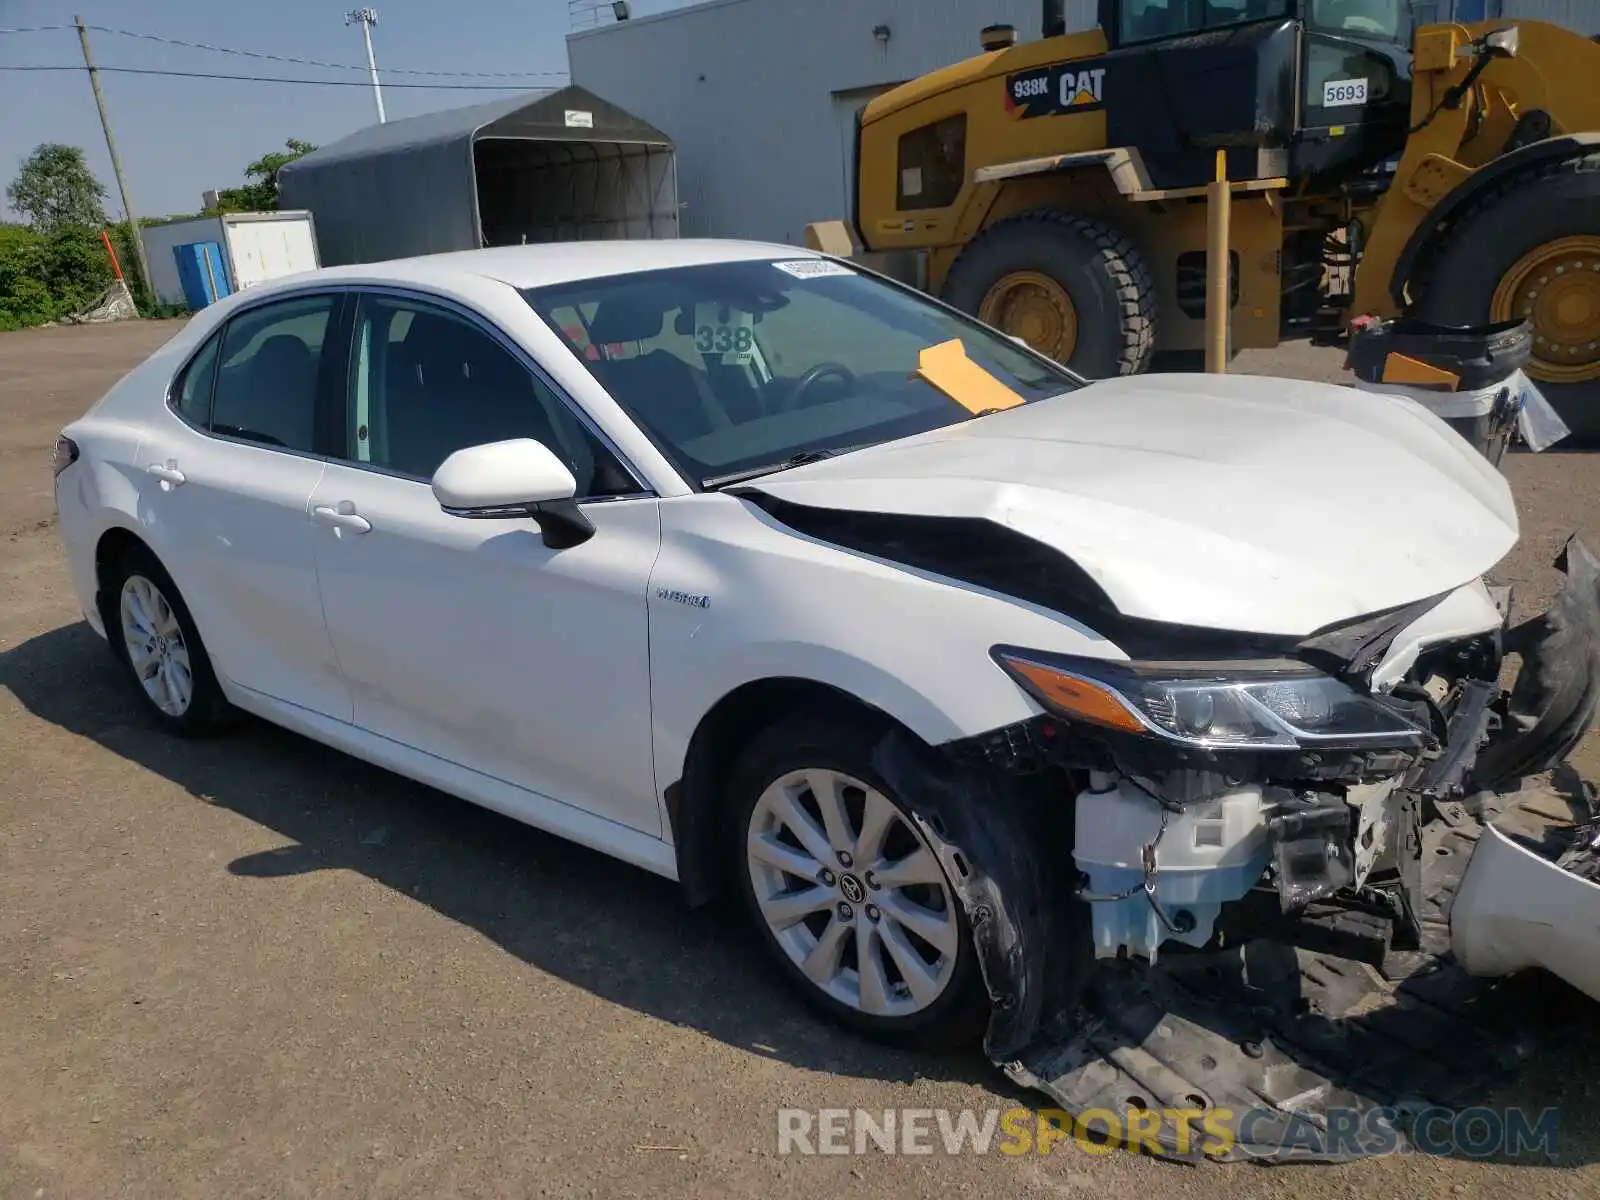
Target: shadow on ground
[[618, 932], [614, 930]]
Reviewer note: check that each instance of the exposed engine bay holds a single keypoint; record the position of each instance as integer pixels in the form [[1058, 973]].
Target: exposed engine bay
[[1263, 849]]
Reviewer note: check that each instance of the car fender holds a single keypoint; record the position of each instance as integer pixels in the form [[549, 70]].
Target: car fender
[[95, 495], [733, 600]]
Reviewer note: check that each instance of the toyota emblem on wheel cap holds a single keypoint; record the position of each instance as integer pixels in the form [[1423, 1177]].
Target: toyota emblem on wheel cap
[[852, 889]]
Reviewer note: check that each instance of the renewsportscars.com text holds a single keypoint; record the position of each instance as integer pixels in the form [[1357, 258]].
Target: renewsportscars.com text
[[1215, 1132]]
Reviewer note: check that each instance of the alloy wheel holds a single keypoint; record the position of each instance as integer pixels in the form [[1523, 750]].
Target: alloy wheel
[[157, 651], [852, 892]]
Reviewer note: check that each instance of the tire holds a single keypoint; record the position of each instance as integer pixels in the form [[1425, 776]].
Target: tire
[[1101, 271], [137, 584], [822, 747], [1558, 200]]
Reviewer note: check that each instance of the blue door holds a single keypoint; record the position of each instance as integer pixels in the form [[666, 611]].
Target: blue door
[[203, 271]]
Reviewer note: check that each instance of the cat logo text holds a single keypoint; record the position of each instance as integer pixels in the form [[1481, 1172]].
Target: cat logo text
[[1061, 88]]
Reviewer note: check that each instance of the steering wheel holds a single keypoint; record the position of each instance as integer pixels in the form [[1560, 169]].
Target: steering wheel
[[822, 370]]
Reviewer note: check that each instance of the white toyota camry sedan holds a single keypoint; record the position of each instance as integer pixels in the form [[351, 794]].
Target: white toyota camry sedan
[[777, 578]]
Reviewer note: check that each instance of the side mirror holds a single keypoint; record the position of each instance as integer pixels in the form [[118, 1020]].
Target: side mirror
[[516, 478]]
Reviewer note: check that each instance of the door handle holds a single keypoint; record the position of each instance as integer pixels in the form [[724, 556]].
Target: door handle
[[339, 518], [168, 473]]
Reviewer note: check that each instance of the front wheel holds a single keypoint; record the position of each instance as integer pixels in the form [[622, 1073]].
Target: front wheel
[[846, 892]]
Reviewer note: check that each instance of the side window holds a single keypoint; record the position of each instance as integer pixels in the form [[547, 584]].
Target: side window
[[426, 383], [1145, 20], [933, 164], [191, 394], [266, 389]]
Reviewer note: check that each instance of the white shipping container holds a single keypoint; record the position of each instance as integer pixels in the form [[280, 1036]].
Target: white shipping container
[[255, 247]]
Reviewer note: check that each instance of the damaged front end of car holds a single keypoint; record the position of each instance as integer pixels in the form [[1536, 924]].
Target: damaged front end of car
[[1263, 855]]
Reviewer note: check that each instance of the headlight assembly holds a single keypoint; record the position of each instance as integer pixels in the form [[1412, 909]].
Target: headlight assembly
[[1277, 704]]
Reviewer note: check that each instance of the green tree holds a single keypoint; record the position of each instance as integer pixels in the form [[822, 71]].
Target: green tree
[[261, 193], [44, 278], [56, 190]]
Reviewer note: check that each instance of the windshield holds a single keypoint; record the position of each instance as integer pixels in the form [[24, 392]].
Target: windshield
[[734, 366], [1147, 20], [1388, 20]]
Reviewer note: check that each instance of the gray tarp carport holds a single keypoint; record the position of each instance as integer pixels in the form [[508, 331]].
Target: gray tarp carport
[[560, 167]]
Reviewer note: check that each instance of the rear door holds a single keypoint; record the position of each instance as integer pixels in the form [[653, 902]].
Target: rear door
[[225, 490]]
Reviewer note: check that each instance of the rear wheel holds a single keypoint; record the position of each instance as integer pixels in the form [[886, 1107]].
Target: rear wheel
[[1073, 288], [153, 635], [1530, 250], [846, 892]]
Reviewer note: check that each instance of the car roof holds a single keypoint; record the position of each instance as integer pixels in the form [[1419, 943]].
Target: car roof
[[560, 262]]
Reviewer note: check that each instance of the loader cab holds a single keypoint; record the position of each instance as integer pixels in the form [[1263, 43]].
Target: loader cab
[[1313, 90]]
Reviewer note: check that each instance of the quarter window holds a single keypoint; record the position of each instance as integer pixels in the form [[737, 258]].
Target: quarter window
[[426, 383], [266, 387], [192, 394]]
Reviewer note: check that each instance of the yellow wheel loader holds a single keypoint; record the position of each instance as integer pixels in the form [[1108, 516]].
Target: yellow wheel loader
[[1451, 174], [1057, 188]]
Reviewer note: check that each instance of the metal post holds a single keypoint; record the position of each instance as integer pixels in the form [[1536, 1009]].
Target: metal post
[[1218, 275], [111, 147], [368, 17]]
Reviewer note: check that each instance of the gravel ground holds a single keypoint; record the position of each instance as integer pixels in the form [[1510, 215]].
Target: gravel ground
[[253, 967]]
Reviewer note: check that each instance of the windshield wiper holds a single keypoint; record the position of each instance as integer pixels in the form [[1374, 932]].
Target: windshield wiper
[[712, 482]]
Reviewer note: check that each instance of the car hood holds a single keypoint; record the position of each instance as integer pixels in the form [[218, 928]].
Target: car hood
[[1241, 503]]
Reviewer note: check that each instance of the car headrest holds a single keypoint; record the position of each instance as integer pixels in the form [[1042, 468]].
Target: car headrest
[[443, 351], [282, 352], [625, 319]]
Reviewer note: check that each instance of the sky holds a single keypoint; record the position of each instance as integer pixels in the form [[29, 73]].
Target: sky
[[178, 137]]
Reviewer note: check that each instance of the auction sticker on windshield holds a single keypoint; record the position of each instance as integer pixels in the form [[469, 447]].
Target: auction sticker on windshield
[[722, 329], [812, 268]]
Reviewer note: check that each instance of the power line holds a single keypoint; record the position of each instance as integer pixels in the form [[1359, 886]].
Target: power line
[[316, 62], [449, 87], [285, 58]]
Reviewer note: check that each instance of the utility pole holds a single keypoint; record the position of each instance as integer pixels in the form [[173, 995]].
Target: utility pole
[[111, 146], [368, 17]]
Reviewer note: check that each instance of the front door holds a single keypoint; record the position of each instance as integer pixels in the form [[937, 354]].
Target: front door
[[470, 639]]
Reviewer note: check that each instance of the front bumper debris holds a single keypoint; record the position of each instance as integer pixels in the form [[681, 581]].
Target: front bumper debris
[[1284, 1054], [1285, 1018], [1526, 902]]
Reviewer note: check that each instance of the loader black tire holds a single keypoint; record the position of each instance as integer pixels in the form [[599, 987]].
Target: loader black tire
[[1099, 268], [1531, 209]]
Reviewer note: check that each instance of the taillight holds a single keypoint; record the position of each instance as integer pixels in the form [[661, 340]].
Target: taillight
[[66, 453]]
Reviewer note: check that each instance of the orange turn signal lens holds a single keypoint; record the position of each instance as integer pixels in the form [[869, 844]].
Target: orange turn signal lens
[[1074, 696]]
